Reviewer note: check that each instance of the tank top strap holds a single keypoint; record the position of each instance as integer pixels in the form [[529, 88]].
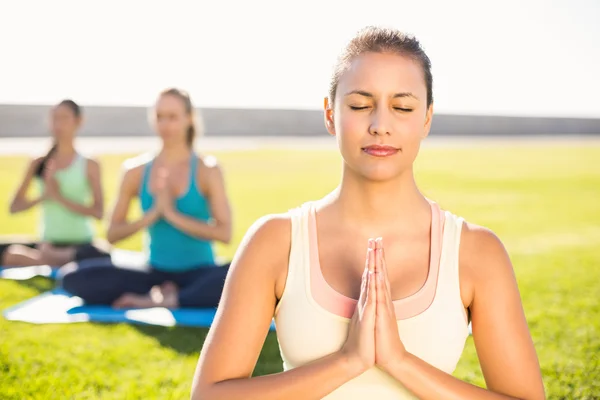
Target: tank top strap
[[81, 163], [145, 178], [296, 280], [449, 274]]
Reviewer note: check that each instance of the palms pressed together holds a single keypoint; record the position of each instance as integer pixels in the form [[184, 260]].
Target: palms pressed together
[[373, 338]]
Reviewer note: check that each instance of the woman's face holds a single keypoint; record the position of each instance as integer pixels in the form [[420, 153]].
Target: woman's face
[[380, 115], [64, 123], [172, 120]]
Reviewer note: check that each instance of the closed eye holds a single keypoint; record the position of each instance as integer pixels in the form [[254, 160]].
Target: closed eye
[[403, 109], [359, 108]]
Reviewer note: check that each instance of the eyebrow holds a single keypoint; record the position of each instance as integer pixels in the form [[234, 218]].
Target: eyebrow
[[396, 95]]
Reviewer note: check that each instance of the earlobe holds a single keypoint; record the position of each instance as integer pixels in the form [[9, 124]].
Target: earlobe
[[428, 118], [328, 114], [329, 122]]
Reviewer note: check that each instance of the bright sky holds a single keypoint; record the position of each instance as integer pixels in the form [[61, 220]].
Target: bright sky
[[517, 57]]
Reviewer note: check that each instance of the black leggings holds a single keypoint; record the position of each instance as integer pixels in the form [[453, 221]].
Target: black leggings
[[100, 282]]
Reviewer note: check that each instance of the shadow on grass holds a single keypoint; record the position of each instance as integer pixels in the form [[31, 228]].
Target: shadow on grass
[[189, 341]]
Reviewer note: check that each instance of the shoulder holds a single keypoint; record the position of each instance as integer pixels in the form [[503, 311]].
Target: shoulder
[[92, 165], [208, 163], [483, 259], [132, 169], [35, 162], [34, 165], [479, 244], [272, 229], [209, 169], [266, 245], [134, 166]]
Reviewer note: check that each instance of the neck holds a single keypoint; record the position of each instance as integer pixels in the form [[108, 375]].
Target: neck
[[175, 152], [65, 148], [369, 204]]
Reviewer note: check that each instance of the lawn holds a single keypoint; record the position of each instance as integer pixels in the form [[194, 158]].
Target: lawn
[[543, 202]]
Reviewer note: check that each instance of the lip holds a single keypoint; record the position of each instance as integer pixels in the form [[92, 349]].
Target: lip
[[380, 150]]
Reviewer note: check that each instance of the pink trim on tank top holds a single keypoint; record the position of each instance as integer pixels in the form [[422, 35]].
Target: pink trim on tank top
[[407, 307]]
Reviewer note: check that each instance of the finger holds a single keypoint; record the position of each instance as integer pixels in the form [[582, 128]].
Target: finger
[[383, 290], [371, 300], [371, 256], [384, 270], [382, 298], [377, 247], [363, 284]]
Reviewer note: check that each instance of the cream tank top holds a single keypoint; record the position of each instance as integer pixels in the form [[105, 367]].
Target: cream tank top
[[312, 319]]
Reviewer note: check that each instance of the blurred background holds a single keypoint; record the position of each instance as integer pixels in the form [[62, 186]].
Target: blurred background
[[515, 146]]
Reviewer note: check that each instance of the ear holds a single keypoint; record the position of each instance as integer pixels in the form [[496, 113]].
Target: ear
[[80, 121], [428, 118], [328, 116]]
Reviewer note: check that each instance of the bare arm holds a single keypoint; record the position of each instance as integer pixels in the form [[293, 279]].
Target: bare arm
[[119, 228], [95, 210], [237, 334], [504, 346], [20, 202], [218, 229]]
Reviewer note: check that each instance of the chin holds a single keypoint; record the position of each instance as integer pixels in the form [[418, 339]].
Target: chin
[[379, 174]]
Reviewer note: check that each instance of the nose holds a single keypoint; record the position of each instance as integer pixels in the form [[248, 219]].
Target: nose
[[380, 124]]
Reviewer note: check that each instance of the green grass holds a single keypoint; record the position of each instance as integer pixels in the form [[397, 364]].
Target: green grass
[[543, 202]]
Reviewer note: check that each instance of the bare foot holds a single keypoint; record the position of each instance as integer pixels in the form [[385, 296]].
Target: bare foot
[[165, 295], [168, 288], [131, 300]]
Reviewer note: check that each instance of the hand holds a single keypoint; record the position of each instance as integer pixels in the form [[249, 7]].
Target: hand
[[164, 198], [388, 346], [360, 344], [51, 189]]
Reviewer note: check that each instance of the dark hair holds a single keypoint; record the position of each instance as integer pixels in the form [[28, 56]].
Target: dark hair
[[77, 111], [189, 109], [382, 40]]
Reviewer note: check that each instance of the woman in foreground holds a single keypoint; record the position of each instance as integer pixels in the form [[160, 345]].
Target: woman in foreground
[[391, 324], [70, 196], [185, 209]]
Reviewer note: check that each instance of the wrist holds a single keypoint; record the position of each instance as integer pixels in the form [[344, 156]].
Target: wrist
[[351, 365], [150, 217], [169, 212], [396, 363]]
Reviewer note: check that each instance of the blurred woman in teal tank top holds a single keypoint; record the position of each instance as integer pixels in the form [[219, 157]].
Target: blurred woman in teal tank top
[[70, 198], [185, 209]]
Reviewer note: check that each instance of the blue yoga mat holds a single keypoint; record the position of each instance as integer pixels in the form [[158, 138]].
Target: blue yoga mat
[[59, 307]]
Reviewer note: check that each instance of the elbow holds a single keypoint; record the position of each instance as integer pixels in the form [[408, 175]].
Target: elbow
[[14, 208], [538, 396], [16, 205], [202, 393], [111, 237], [98, 214], [226, 236]]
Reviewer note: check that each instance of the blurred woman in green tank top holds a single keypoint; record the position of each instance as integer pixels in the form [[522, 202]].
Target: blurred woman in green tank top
[[70, 197]]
